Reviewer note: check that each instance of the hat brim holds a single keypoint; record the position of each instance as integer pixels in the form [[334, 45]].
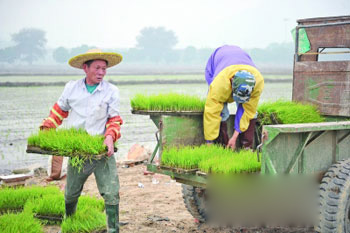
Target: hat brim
[[111, 58]]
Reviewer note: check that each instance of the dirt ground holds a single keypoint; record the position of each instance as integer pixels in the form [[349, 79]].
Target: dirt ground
[[153, 203]]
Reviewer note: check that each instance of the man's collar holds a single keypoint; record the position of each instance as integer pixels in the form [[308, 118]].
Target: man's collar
[[99, 87]]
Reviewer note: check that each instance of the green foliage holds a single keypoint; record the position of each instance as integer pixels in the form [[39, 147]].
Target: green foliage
[[48, 201], [90, 202], [288, 112], [23, 222], [211, 159], [48, 205], [76, 143], [69, 142], [229, 163], [187, 157], [168, 102], [15, 199], [86, 220], [53, 205]]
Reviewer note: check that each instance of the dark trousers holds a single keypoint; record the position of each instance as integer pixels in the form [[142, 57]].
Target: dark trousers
[[106, 176], [246, 139]]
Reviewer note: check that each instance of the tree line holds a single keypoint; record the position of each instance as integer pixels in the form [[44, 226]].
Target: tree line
[[154, 45]]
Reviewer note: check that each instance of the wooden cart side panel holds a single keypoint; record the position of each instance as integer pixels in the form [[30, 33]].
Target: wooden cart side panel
[[329, 91], [186, 130], [305, 148]]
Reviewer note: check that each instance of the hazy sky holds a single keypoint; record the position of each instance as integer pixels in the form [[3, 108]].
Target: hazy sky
[[201, 23]]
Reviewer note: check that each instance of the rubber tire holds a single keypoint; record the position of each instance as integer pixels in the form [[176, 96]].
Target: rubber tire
[[194, 199], [334, 199]]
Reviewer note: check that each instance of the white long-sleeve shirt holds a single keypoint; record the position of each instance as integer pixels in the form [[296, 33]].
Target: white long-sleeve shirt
[[89, 111]]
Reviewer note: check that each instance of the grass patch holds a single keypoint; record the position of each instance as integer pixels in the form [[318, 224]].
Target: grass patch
[[14, 199], [288, 112], [86, 220], [168, 102], [211, 159], [23, 222]]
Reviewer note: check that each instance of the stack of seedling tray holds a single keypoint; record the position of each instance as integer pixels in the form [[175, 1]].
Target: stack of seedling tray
[[74, 143], [167, 103], [27, 209]]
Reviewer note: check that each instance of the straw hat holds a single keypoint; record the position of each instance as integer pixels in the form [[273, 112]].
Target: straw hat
[[95, 54]]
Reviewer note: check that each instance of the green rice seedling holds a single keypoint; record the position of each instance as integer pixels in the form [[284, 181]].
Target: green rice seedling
[[23, 222], [168, 102], [75, 143], [288, 112], [53, 205], [48, 205], [230, 162], [14, 199], [68, 142], [85, 220], [186, 157], [210, 159], [90, 202]]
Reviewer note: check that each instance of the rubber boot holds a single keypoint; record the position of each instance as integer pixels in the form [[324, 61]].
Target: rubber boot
[[71, 208], [112, 212]]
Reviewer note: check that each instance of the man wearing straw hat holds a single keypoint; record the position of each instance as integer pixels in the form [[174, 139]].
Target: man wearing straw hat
[[232, 77], [92, 103]]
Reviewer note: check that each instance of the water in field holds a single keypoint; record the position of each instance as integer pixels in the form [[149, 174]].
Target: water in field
[[23, 108]]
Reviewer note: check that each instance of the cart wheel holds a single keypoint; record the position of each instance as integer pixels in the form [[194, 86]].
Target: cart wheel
[[334, 199], [194, 199]]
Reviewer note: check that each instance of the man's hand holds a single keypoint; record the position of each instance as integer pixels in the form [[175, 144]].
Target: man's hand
[[110, 144], [43, 128], [209, 143], [232, 142]]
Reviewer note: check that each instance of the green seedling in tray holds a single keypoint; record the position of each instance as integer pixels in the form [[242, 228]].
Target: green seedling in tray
[[14, 199], [75, 143], [288, 112], [23, 222], [86, 220], [168, 102], [211, 159], [53, 205], [244, 161]]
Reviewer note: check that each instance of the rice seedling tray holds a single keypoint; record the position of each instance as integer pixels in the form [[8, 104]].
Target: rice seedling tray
[[38, 150], [179, 170], [170, 113], [49, 218], [191, 178], [200, 173]]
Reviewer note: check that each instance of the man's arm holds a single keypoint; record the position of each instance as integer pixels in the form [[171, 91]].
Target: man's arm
[[232, 142], [112, 133], [55, 118]]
